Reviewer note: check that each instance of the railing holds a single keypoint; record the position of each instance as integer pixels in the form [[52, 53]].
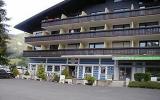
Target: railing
[[103, 16], [104, 51], [96, 34]]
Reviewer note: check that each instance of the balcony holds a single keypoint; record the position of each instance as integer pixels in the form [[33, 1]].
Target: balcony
[[103, 16], [104, 51], [96, 34]]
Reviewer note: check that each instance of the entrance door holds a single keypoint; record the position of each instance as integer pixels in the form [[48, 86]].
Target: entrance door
[[72, 71], [124, 72]]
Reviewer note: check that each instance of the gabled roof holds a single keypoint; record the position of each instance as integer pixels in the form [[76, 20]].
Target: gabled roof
[[34, 23]]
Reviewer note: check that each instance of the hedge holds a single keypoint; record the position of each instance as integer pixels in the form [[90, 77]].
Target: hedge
[[142, 77], [150, 85]]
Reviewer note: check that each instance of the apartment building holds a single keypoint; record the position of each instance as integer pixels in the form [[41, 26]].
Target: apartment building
[[108, 39]]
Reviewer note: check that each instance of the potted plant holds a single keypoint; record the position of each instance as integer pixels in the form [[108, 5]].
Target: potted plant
[[68, 78], [55, 78], [90, 80], [26, 75]]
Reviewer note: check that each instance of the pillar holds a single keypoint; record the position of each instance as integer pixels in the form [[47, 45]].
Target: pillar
[[116, 70], [82, 29], [61, 46], [132, 43], [43, 47], [105, 44], [106, 27], [62, 31], [83, 13], [63, 16], [133, 72], [132, 25], [132, 7], [81, 46]]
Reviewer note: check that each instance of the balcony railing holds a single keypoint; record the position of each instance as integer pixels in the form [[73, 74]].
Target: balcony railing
[[103, 16], [104, 51], [96, 34]]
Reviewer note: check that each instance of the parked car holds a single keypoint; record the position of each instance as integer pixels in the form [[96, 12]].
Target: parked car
[[5, 75]]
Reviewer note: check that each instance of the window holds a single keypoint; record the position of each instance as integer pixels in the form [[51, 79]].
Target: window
[[55, 32], [148, 24], [123, 26], [33, 67], [74, 30], [98, 28], [151, 43], [118, 0], [103, 70], [53, 47], [88, 70], [73, 46], [49, 68], [139, 70], [121, 44], [56, 68], [96, 45]]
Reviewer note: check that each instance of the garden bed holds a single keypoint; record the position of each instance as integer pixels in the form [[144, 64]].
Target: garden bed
[[150, 85]]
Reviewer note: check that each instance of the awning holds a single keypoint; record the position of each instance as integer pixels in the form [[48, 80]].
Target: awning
[[136, 58]]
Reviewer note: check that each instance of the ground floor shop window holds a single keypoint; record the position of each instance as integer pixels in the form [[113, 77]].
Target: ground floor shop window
[[155, 71], [57, 68], [103, 70], [88, 70], [49, 68], [33, 67]]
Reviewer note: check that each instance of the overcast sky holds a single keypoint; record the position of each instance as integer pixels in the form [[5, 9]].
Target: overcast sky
[[20, 10]]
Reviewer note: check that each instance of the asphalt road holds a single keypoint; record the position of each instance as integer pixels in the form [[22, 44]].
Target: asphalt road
[[35, 90]]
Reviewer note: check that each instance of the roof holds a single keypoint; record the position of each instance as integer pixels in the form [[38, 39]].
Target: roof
[[34, 23]]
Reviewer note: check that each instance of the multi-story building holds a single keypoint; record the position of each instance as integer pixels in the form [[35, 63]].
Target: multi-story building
[[108, 39]]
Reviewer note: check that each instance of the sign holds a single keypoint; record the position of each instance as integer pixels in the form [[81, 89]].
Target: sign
[[136, 58]]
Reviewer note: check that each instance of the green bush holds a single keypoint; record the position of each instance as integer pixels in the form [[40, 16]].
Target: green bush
[[41, 72], [14, 70], [139, 77], [90, 79], [142, 77], [151, 85], [147, 77], [65, 72], [55, 78], [27, 73]]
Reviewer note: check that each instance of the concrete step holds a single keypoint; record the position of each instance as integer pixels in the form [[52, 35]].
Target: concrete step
[[117, 84]]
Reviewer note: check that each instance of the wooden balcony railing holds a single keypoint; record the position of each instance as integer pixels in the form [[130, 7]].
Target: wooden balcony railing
[[103, 16], [96, 34], [104, 51]]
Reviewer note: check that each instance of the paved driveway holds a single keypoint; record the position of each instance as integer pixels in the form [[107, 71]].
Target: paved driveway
[[35, 90]]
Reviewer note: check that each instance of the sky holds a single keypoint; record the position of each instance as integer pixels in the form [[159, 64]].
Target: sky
[[20, 10]]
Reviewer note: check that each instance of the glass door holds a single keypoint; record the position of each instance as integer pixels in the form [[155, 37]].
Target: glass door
[[124, 72]]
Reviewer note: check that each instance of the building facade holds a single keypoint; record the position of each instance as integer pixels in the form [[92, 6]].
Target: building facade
[[108, 39]]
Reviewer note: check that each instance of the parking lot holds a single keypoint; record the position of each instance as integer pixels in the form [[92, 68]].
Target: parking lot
[[15, 89]]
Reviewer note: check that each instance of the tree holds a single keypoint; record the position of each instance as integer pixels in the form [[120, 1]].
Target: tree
[[41, 72], [3, 35]]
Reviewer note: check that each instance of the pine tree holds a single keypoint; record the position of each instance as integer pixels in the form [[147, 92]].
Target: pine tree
[[3, 34]]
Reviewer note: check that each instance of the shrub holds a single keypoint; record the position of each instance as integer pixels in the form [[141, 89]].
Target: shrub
[[90, 79], [151, 85], [142, 77], [41, 72], [147, 77], [27, 73], [14, 70], [139, 77], [55, 78], [65, 72]]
